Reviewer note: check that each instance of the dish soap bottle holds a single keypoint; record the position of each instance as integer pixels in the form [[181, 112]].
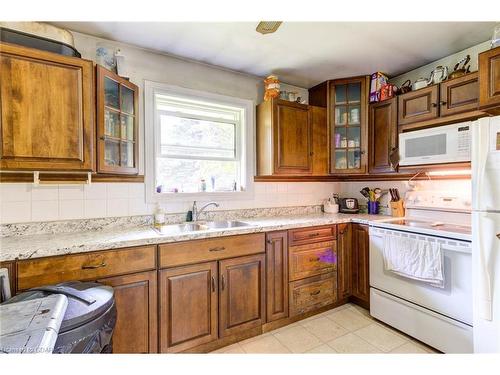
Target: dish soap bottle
[[159, 216]]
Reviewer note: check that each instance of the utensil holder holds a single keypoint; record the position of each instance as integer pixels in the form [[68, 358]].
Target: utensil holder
[[397, 208], [373, 207]]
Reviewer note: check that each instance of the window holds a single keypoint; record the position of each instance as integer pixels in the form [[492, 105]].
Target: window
[[199, 143]]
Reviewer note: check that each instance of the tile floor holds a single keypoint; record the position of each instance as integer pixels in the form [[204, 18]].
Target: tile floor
[[346, 329]]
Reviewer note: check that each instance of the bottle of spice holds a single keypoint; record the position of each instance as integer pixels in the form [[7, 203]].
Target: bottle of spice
[[203, 185]]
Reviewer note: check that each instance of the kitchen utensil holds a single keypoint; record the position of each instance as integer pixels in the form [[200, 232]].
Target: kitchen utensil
[[349, 205], [461, 68], [364, 193], [438, 75], [397, 208], [419, 84], [373, 207]]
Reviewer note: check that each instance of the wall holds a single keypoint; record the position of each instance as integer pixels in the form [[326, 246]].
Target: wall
[[449, 61]]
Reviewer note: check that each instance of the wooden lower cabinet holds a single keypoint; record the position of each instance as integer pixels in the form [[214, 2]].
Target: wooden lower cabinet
[[136, 307], [344, 260], [360, 264], [242, 294], [276, 275], [188, 306], [312, 293]]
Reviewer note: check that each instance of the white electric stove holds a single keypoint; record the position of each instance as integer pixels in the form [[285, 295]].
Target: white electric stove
[[439, 317]]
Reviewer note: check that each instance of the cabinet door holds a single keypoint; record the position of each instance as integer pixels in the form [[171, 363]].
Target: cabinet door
[[242, 301], [188, 306], [47, 110], [344, 251], [489, 80], [320, 140], [136, 325], [277, 275], [459, 95], [419, 105], [383, 135], [360, 265], [348, 110], [117, 124], [292, 139]]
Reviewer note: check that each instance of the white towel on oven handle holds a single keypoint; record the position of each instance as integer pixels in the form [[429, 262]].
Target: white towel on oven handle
[[415, 259]]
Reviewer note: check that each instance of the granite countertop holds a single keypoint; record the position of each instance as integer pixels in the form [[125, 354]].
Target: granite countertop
[[42, 245]]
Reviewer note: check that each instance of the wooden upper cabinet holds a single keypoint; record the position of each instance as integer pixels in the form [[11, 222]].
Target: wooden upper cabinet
[[320, 140], [459, 95], [284, 138], [489, 80], [419, 105], [117, 124], [188, 306], [348, 125], [47, 110], [242, 298], [360, 264], [344, 260], [137, 315], [383, 135], [276, 275]]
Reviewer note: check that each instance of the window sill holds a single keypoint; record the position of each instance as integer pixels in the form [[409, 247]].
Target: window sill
[[201, 196]]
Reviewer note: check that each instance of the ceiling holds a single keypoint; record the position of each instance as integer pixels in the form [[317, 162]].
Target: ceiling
[[300, 53]]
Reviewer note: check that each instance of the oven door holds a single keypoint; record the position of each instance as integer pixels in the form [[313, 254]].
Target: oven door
[[453, 301], [443, 144]]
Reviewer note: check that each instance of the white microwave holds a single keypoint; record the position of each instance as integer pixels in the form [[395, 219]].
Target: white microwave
[[439, 145]]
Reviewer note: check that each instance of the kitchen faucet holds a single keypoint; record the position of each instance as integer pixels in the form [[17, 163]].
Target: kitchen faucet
[[197, 212]]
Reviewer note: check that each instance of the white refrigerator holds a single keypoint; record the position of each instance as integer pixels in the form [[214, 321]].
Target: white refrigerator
[[485, 159]]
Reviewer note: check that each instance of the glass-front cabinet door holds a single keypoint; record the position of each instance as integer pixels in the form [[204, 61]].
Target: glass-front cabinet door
[[117, 125], [348, 125]]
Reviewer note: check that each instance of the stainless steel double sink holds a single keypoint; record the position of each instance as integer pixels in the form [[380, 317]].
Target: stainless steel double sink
[[200, 226]]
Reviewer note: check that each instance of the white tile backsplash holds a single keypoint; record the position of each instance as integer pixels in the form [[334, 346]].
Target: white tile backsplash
[[95, 191], [15, 212], [25, 203], [45, 193], [71, 209], [94, 208], [115, 191], [44, 210], [117, 207], [15, 192], [71, 192]]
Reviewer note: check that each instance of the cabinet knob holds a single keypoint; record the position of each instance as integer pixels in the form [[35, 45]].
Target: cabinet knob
[[362, 152], [434, 105], [442, 103]]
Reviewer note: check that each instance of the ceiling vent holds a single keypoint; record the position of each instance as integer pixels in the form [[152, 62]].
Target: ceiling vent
[[268, 27]]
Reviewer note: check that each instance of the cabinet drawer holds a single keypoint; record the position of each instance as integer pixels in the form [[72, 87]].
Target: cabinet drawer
[[313, 259], [311, 235], [312, 293], [87, 266], [197, 251]]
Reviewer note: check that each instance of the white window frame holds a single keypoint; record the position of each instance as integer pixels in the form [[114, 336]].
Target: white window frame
[[245, 148]]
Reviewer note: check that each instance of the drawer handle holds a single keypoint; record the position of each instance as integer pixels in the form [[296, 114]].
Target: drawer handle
[[213, 284], [317, 259], [94, 266], [316, 234], [315, 293], [218, 248]]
